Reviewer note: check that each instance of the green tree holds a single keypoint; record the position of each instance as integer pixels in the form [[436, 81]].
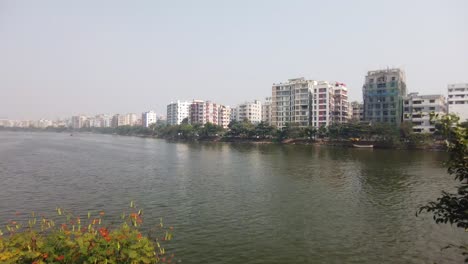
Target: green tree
[[406, 129], [310, 132], [322, 132], [210, 130], [453, 207], [263, 130]]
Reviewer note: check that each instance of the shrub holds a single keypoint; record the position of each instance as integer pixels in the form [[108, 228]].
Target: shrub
[[73, 239]]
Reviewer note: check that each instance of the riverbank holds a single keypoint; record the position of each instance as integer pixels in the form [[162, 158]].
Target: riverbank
[[391, 144], [436, 146]]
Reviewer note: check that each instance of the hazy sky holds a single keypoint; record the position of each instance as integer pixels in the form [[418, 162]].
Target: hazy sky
[[59, 58]]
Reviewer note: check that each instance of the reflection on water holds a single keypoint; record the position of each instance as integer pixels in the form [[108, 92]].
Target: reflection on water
[[241, 203]]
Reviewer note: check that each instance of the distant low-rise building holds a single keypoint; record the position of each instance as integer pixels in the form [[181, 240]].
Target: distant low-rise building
[[78, 122], [458, 100], [418, 108], [148, 118]]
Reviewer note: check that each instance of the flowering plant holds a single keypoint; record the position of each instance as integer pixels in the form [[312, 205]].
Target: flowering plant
[[73, 239]]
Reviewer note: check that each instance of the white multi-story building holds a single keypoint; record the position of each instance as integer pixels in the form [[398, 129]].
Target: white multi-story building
[[43, 123], [78, 122], [234, 114], [7, 123], [417, 110], [458, 100], [266, 111], [309, 103], [129, 119], [177, 112], [323, 104], [106, 120], [148, 118], [132, 119], [291, 102], [357, 111], [251, 111], [224, 116], [92, 122], [122, 120], [341, 105]]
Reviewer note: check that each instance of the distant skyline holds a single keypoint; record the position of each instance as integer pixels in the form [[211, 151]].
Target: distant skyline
[[61, 58]]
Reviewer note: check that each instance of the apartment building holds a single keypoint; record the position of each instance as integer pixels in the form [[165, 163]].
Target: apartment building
[[458, 100], [224, 116], [78, 122], [101, 120], [357, 111], [234, 114], [177, 111], [202, 112], [341, 105], [291, 102], [383, 93], [266, 111], [323, 104], [417, 110], [148, 118], [251, 111]]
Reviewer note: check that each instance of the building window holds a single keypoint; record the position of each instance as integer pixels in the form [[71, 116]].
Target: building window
[[431, 101]]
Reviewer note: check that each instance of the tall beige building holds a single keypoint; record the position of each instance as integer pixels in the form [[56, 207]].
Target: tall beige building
[[291, 102], [357, 111], [309, 103], [266, 111], [341, 109], [224, 116], [251, 111]]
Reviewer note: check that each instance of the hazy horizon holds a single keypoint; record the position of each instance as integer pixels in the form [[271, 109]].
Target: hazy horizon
[[63, 58]]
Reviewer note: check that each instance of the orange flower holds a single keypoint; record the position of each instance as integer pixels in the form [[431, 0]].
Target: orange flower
[[45, 256], [60, 258], [139, 236], [101, 213]]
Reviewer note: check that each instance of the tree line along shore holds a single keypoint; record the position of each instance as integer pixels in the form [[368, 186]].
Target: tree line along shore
[[379, 134]]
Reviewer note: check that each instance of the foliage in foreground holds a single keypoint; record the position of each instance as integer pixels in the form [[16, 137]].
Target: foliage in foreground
[[453, 207], [71, 239]]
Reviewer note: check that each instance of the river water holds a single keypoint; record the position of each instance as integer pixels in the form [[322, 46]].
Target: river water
[[240, 203]]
